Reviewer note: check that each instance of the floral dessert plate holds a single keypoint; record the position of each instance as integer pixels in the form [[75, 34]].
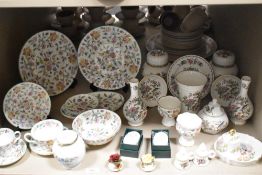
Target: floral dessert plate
[[77, 104], [13, 154], [49, 58], [40, 150], [26, 104], [109, 57], [193, 63], [152, 87], [109, 100], [238, 149], [225, 88]]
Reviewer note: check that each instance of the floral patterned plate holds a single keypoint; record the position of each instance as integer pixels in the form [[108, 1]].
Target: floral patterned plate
[[77, 104], [97, 126], [13, 154], [225, 88], [26, 104], [40, 150], [194, 63], [108, 57], [49, 58], [238, 149], [109, 100], [152, 87]]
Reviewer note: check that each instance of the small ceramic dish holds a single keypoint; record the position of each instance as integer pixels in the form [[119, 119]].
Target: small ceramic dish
[[225, 88], [152, 87], [77, 104]]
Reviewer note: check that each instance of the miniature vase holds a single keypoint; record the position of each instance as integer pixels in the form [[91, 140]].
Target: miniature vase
[[134, 109], [214, 118], [241, 108]]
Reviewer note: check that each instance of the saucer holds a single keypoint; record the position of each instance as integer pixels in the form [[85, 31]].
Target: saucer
[[13, 154], [40, 150], [148, 168], [113, 168]]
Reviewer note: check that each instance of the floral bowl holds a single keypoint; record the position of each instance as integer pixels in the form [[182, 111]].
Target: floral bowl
[[97, 126]]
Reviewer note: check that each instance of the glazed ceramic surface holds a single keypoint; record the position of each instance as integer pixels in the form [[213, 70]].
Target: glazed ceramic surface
[[109, 100], [190, 63], [8, 137], [152, 88], [214, 118], [49, 59], [238, 149], [13, 153], [108, 57], [147, 163], [226, 70], [224, 58], [77, 104], [157, 58], [155, 70], [225, 88], [115, 167], [97, 126], [182, 159], [40, 149], [26, 104], [202, 155]]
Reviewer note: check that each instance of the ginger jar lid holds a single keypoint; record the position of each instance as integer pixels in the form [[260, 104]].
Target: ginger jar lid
[[214, 109], [223, 58]]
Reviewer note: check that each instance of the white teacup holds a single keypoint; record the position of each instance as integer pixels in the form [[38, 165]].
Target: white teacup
[[44, 133], [202, 155], [190, 85], [7, 138]]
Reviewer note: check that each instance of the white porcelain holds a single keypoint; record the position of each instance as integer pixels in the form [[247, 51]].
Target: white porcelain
[[228, 70], [160, 138], [190, 85], [147, 163], [25, 104], [77, 104], [224, 58], [241, 108], [182, 159], [40, 149], [202, 155], [155, 70], [225, 88], [97, 126], [69, 149], [44, 133], [157, 58], [134, 110], [132, 138], [188, 130], [115, 168], [169, 107], [109, 57], [238, 149], [214, 118], [152, 87], [8, 137], [14, 153], [190, 63]]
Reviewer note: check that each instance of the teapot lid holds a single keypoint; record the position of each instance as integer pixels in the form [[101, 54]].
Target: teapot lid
[[213, 108], [66, 137]]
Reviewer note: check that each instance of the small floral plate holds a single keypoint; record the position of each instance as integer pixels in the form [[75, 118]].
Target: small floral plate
[[13, 154], [152, 87], [25, 104], [225, 88], [49, 58], [40, 150], [109, 57], [77, 104], [109, 100], [192, 63]]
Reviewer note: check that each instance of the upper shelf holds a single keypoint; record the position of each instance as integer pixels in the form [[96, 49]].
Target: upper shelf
[[75, 3]]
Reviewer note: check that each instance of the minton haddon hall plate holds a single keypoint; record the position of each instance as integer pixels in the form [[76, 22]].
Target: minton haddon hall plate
[[108, 57]]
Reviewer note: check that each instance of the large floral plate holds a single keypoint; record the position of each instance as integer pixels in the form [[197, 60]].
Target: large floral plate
[[225, 88], [108, 57], [97, 126], [25, 104], [109, 100], [209, 46], [194, 63], [13, 154], [78, 104], [49, 59], [152, 87], [238, 149]]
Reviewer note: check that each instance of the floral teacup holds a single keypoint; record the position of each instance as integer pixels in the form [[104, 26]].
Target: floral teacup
[[7, 138]]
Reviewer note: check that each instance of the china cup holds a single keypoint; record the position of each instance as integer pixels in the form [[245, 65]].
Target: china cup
[[7, 138]]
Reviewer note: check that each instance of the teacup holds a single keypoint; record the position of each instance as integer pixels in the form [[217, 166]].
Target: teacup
[[44, 133], [169, 107], [190, 85], [188, 125], [7, 138]]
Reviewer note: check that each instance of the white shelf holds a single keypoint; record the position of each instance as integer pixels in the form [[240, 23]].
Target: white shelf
[[71, 3]]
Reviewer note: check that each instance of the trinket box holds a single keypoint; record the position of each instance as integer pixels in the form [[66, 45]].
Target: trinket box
[[160, 151]]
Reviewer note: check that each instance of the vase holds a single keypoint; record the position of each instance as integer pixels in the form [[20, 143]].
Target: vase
[[241, 108], [134, 109]]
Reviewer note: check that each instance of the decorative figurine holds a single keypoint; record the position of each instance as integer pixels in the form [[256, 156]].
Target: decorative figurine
[[148, 163], [115, 163]]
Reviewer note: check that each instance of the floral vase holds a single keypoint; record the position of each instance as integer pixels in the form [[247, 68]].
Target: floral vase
[[241, 108], [134, 109]]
